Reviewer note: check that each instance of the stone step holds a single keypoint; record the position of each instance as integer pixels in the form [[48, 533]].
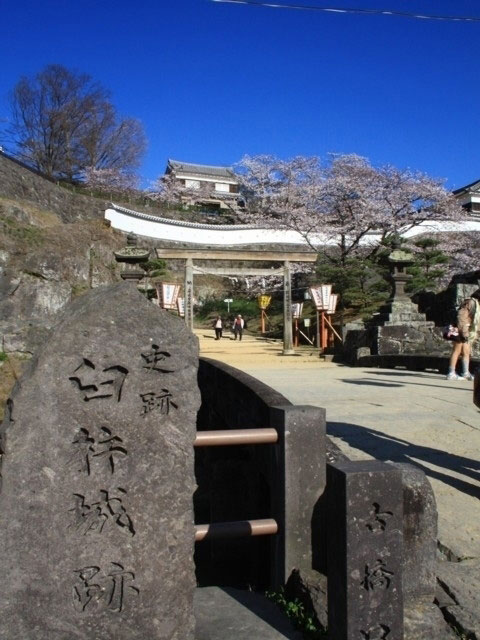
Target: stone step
[[224, 613]]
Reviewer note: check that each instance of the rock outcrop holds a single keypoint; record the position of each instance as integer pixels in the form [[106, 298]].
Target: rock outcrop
[[54, 246]]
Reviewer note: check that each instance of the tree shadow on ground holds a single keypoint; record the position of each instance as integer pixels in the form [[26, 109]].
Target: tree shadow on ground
[[383, 446], [387, 383], [408, 374], [374, 383]]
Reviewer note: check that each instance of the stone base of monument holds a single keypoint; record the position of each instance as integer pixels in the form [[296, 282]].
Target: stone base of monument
[[401, 312], [223, 612]]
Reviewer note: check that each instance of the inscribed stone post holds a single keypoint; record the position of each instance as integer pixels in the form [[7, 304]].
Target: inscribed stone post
[[96, 518], [365, 508]]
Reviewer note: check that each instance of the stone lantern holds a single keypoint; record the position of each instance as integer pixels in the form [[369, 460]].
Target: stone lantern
[[400, 261], [400, 328], [400, 310], [131, 257]]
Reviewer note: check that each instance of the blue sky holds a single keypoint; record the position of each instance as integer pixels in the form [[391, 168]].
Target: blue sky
[[212, 82]]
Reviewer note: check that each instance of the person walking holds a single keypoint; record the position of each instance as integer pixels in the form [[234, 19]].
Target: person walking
[[468, 323], [238, 325], [218, 326]]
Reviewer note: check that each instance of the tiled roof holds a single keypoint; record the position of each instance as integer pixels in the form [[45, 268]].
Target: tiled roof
[[200, 169], [473, 186]]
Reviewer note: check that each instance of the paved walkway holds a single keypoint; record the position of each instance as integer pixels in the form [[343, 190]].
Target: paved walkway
[[388, 414]]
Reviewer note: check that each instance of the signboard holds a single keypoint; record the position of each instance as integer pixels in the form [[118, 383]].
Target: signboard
[[181, 307], [297, 309], [332, 303], [321, 296], [264, 302], [306, 322], [168, 294], [316, 297], [326, 292]]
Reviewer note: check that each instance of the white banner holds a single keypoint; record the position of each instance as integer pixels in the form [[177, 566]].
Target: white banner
[[168, 294], [332, 303], [181, 307], [326, 293], [297, 309], [321, 296], [316, 297]]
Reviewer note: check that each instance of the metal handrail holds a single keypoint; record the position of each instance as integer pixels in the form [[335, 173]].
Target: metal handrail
[[235, 437], [238, 529]]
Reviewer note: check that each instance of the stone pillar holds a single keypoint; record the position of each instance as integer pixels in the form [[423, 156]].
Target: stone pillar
[[97, 532], [189, 293], [287, 310], [301, 482], [419, 536], [365, 551]]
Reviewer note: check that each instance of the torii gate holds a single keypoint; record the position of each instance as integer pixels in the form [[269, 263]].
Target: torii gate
[[257, 255]]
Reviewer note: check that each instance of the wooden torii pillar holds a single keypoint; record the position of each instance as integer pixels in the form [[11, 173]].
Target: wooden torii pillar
[[188, 292], [288, 349]]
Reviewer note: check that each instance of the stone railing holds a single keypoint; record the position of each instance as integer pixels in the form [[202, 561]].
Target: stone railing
[[339, 519]]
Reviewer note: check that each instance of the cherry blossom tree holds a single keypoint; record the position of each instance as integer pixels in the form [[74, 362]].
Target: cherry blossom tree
[[111, 180], [284, 194], [345, 209], [343, 202], [463, 249]]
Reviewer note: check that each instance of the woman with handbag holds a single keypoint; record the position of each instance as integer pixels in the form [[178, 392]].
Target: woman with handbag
[[468, 323]]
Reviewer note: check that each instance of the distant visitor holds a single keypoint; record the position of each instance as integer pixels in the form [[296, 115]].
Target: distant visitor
[[238, 325], [218, 326]]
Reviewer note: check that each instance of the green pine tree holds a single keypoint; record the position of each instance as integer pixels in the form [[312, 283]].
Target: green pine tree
[[358, 280], [428, 267]]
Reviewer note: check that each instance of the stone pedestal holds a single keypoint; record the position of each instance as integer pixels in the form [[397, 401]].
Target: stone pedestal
[[402, 312]]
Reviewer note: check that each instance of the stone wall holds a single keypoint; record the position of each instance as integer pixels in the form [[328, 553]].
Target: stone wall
[[19, 182], [54, 246], [411, 338]]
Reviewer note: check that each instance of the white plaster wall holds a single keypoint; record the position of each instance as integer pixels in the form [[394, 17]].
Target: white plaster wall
[[142, 224]]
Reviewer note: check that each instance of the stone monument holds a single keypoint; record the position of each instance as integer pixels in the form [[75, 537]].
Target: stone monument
[[399, 327], [132, 257], [97, 531]]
